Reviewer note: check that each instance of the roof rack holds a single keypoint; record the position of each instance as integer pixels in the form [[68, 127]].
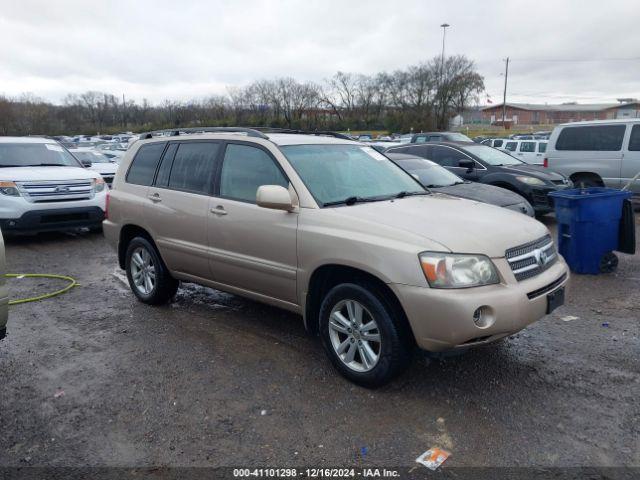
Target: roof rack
[[174, 132], [304, 132]]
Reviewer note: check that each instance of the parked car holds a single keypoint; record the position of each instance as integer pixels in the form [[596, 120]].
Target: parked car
[[439, 137], [494, 142], [598, 153], [480, 163], [332, 230], [529, 151], [439, 179], [43, 187], [97, 162], [4, 295]]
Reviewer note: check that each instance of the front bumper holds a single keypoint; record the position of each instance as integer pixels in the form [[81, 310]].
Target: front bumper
[[53, 219], [540, 199], [443, 319]]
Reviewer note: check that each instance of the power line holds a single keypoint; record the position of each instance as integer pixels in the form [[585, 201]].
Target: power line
[[576, 60]]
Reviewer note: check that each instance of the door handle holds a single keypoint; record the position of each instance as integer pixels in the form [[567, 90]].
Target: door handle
[[219, 210], [155, 197]]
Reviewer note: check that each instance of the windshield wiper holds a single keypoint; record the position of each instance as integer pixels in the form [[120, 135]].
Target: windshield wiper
[[10, 166], [404, 193], [47, 165], [353, 200]]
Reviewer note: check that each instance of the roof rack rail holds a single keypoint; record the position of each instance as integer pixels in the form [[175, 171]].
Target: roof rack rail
[[174, 132], [304, 132]]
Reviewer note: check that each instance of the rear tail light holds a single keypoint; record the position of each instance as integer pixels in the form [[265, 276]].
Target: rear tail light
[[545, 164], [106, 206]]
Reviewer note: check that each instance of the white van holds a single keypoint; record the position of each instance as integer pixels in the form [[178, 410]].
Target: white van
[[43, 187], [597, 153], [529, 151]]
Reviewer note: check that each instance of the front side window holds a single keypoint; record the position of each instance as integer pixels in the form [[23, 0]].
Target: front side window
[[492, 156], [528, 147], [421, 139], [93, 157], [143, 167], [634, 141], [245, 169], [447, 157], [603, 138], [193, 166], [334, 173], [35, 154], [511, 146], [497, 143]]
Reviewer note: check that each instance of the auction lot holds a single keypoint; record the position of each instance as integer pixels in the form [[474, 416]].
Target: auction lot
[[96, 378]]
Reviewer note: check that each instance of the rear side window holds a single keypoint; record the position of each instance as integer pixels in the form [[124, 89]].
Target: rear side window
[[634, 141], [246, 168], [542, 147], [193, 166], [511, 146], [143, 167], [603, 138], [421, 151], [162, 178], [528, 147]]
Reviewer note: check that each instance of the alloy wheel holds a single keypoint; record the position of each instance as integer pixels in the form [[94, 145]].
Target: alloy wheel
[[143, 271]]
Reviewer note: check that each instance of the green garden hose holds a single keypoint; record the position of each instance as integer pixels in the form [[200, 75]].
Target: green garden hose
[[72, 283]]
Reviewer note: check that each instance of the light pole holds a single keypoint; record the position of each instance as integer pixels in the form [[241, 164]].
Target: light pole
[[444, 35]]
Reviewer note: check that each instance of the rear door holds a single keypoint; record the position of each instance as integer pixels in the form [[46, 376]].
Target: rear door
[[631, 160], [527, 151], [252, 248], [179, 205]]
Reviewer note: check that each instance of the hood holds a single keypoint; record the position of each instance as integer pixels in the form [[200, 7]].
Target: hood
[[481, 192], [104, 168], [537, 171], [462, 226], [29, 174]]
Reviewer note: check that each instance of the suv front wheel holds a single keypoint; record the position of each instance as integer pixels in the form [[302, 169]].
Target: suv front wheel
[[148, 276], [362, 335]]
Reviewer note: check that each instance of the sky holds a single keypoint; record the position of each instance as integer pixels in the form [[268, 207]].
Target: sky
[[585, 51]]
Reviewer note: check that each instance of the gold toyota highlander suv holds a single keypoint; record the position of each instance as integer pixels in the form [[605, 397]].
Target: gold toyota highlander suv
[[333, 230]]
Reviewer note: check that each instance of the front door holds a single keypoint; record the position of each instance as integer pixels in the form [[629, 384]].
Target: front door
[[179, 205], [631, 160], [251, 247], [450, 158]]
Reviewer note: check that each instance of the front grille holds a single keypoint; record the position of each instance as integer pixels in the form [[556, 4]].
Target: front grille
[[532, 258], [56, 190], [540, 197]]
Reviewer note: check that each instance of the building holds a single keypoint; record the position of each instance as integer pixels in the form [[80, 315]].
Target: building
[[535, 114]]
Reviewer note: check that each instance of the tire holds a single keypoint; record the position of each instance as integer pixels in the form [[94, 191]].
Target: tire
[[393, 349], [159, 289], [608, 263]]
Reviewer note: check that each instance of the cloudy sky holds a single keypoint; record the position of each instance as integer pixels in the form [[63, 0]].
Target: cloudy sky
[[562, 50]]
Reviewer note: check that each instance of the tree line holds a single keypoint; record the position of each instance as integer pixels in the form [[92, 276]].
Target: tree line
[[420, 97]]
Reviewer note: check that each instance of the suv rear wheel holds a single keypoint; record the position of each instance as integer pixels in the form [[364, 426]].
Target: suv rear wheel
[[362, 335], [148, 276]]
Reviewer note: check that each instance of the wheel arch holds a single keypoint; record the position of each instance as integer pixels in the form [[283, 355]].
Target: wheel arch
[[128, 233], [587, 175], [327, 276]]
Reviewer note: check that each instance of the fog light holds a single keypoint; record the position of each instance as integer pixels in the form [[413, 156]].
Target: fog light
[[483, 317]]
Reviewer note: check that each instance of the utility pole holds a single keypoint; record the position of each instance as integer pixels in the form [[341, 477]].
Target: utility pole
[[124, 112], [504, 96], [444, 35]]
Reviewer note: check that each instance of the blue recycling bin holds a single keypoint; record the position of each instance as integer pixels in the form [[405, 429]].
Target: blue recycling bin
[[588, 227]]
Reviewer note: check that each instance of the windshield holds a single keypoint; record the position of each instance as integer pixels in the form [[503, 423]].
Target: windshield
[[492, 156], [431, 174], [334, 173], [458, 137], [93, 157], [35, 154]]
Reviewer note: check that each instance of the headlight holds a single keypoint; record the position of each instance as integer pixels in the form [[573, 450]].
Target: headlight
[[451, 270], [9, 188], [98, 184], [531, 180]]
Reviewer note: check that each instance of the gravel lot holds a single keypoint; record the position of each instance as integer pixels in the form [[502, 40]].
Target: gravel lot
[[96, 378]]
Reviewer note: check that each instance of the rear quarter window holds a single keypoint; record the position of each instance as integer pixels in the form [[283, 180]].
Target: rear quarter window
[[602, 138], [143, 166]]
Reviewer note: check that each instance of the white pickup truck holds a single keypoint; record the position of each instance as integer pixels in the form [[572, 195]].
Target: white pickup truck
[[43, 187]]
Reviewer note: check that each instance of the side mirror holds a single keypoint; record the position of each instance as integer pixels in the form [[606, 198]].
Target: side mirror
[[86, 163], [468, 164], [275, 197]]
